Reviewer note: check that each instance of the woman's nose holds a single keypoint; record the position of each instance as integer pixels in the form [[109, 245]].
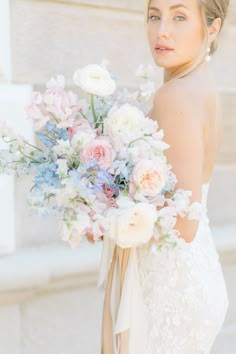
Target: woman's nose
[[163, 30]]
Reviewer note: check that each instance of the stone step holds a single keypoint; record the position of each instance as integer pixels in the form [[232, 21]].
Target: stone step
[[45, 289]]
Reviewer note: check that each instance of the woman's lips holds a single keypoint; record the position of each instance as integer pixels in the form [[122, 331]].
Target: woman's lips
[[163, 50]]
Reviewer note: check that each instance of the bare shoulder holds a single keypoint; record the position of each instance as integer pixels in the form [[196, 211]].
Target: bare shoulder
[[176, 108], [179, 98]]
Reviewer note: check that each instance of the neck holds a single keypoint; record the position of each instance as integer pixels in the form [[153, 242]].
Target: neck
[[170, 73]]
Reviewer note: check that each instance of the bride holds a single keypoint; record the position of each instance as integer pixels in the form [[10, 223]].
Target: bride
[[174, 301]]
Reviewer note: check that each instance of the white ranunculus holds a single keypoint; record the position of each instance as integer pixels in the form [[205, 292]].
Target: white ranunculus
[[95, 80], [124, 124], [131, 224]]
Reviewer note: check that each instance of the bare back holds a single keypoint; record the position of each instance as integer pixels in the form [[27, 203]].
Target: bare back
[[210, 115]]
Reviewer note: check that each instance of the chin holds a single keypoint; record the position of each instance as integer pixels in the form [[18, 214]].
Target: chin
[[165, 64], [169, 63]]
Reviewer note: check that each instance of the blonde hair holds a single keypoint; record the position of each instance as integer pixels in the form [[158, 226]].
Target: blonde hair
[[210, 10]]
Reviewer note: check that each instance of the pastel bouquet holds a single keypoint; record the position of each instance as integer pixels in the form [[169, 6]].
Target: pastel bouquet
[[99, 162]]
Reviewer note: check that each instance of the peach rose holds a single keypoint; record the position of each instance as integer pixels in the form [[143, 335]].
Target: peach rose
[[99, 148], [147, 179]]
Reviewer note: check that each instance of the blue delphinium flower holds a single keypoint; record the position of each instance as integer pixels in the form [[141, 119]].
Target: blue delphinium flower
[[51, 133], [47, 141], [47, 174], [58, 133]]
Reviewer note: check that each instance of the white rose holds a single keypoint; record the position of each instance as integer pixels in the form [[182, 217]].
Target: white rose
[[131, 224], [95, 80], [124, 124]]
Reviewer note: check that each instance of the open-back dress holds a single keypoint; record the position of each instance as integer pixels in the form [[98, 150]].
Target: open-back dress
[[172, 301]]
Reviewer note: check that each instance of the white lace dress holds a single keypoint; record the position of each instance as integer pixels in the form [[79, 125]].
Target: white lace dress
[[171, 302], [184, 292]]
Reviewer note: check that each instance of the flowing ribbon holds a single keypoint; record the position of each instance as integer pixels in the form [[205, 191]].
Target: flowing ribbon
[[126, 308]]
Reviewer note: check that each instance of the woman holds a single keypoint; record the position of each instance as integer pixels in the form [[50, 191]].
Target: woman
[[175, 301]]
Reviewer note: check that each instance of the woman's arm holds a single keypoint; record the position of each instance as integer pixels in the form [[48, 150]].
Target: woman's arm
[[179, 115]]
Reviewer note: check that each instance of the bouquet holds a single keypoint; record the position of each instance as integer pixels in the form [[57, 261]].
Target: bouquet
[[100, 161]]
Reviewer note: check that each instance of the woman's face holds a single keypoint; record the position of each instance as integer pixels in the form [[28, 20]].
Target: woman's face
[[178, 25]]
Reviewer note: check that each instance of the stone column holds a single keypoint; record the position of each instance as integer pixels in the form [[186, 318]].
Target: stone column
[[13, 99], [5, 43]]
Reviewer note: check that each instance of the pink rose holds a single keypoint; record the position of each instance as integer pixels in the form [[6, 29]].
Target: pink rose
[[99, 148], [148, 178]]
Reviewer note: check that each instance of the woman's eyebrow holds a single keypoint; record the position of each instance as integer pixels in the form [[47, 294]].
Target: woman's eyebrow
[[171, 7]]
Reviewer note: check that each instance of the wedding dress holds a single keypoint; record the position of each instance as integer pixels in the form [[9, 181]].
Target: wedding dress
[[172, 301]]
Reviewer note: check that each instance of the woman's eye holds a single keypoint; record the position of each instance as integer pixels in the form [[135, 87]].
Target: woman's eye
[[180, 18], [154, 18]]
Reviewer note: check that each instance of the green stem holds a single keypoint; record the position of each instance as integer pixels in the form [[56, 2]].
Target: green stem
[[133, 141], [93, 110], [29, 157], [33, 146], [9, 141], [82, 115], [50, 137], [56, 120], [26, 142]]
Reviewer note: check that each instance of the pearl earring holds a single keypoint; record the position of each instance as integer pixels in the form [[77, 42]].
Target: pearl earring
[[208, 57]]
